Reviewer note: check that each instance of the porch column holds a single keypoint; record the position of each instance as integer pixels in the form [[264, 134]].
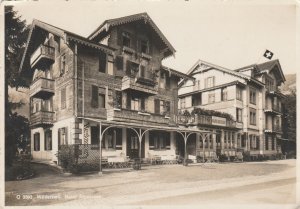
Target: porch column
[[222, 141], [214, 141], [235, 140]]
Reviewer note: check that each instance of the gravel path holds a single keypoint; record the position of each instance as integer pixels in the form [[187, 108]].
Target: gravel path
[[152, 185]]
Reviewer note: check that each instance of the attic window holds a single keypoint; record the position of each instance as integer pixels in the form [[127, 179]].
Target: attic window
[[126, 39]]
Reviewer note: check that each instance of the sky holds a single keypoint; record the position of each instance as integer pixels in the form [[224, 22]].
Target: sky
[[230, 34]]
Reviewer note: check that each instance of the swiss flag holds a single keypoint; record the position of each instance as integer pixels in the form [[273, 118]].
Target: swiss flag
[[268, 54]]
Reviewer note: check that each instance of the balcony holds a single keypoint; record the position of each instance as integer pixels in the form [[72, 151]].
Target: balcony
[[126, 115], [42, 88], [42, 57], [276, 110], [275, 129], [140, 84], [41, 118], [209, 121]]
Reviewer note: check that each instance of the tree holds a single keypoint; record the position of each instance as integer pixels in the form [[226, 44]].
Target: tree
[[15, 38], [289, 121]]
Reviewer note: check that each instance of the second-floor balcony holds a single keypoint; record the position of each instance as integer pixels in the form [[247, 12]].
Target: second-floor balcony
[[275, 109], [141, 84], [41, 118], [274, 129], [126, 115], [209, 121], [42, 57], [42, 88]]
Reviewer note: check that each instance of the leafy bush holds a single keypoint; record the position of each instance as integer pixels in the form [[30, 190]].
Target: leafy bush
[[246, 156], [68, 158]]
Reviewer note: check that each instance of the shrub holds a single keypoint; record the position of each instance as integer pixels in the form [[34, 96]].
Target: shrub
[[246, 156], [68, 158]]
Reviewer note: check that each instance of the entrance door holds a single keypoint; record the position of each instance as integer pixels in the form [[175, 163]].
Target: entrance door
[[132, 144], [218, 142]]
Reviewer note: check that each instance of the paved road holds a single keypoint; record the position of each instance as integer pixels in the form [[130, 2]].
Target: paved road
[[233, 183]]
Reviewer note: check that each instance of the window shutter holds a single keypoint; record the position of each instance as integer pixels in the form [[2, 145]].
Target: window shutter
[[119, 62], [59, 137], [66, 135], [119, 139], [151, 141], [168, 82], [119, 38], [128, 67], [102, 62], [213, 80], [168, 141], [205, 82], [128, 101], [157, 106], [94, 99]]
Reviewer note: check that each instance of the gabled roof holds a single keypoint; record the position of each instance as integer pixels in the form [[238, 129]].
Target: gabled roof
[[107, 24], [177, 73], [216, 67], [265, 68], [64, 34]]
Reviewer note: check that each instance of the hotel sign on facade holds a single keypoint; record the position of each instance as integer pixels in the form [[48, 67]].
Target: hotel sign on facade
[[218, 121]]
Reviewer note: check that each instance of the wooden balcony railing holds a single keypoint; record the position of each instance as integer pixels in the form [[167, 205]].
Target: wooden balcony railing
[[208, 120], [127, 115], [139, 84], [42, 56], [42, 88], [41, 118]]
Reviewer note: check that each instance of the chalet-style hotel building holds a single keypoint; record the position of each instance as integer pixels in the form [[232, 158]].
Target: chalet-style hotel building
[[249, 96], [111, 87]]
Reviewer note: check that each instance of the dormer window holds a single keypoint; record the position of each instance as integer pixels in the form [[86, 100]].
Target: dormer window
[[126, 39]]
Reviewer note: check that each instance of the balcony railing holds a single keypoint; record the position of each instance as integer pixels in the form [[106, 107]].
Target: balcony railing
[[42, 57], [275, 129], [275, 109], [41, 118], [140, 84], [42, 88], [208, 120], [127, 115]]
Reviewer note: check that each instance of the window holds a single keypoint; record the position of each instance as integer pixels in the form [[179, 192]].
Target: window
[[36, 145], [112, 139], [196, 99], [252, 116], [63, 98], [197, 85], [239, 95], [182, 103], [62, 64], [270, 84], [239, 114], [101, 100], [159, 140], [210, 82], [63, 136], [224, 94], [102, 62], [126, 39], [162, 83], [252, 96], [144, 46], [48, 140], [211, 97], [167, 106], [134, 142]]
